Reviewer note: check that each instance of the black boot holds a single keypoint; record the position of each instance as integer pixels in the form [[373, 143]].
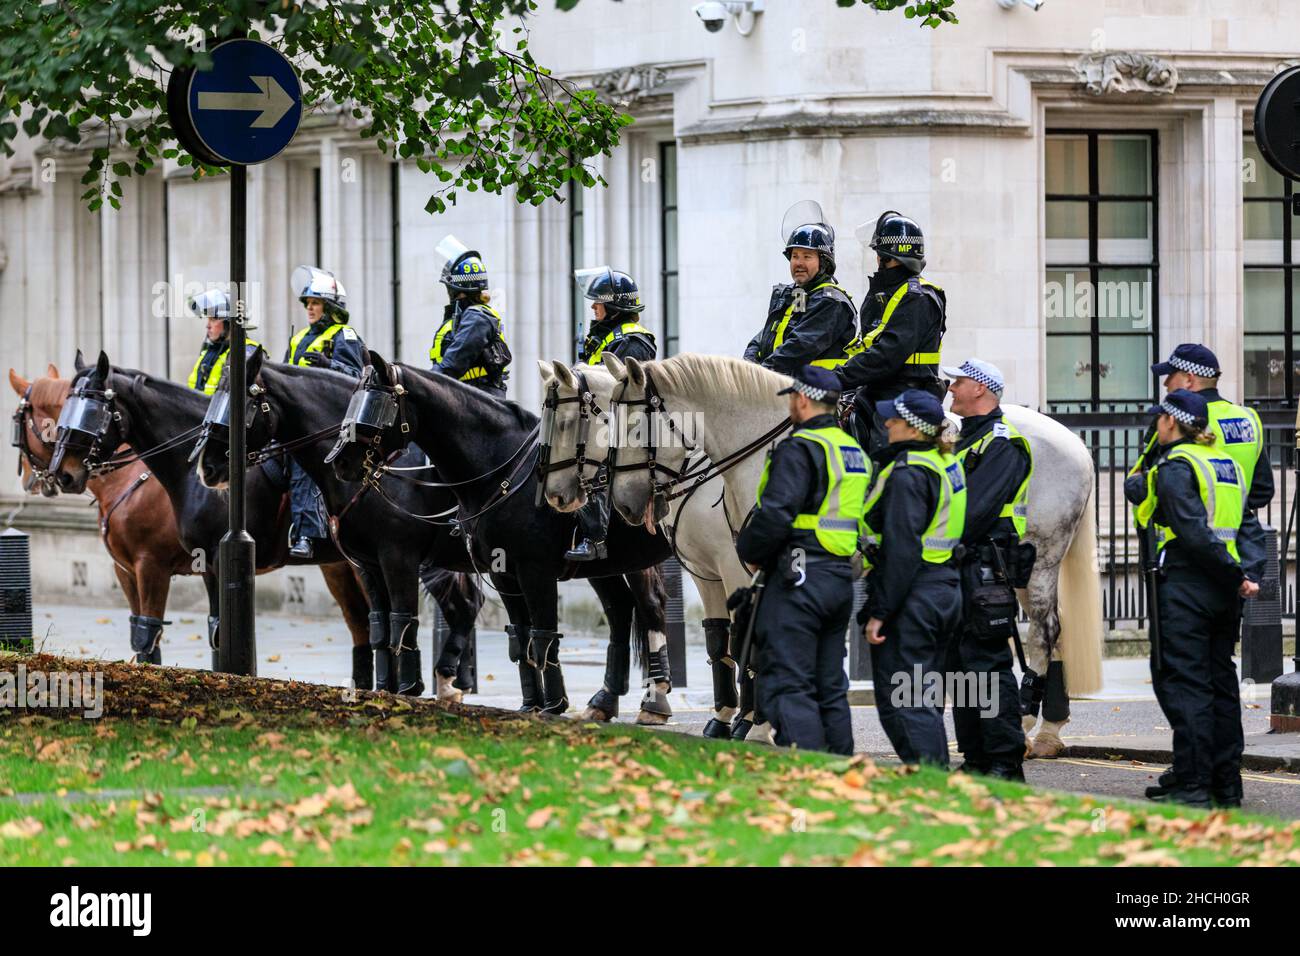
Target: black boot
[[1164, 783], [529, 685], [544, 652], [403, 631], [1227, 796], [385, 678], [303, 549], [1187, 796], [618, 666], [1006, 770], [588, 550], [744, 722], [363, 668], [146, 633]]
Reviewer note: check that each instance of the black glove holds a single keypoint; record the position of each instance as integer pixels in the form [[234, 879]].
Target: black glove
[[316, 360]]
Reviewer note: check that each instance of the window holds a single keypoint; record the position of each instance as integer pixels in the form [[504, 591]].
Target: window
[[578, 308], [1099, 300], [1269, 253], [668, 234]]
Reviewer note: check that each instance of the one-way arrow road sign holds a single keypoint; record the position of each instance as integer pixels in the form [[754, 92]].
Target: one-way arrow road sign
[[247, 107]]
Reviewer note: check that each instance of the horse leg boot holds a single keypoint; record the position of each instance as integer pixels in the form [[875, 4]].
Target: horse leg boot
[[403, 633], [146, 633], [544, 652], [717, 632], [655, 708], [529, 685], [363, 667], [1047, 742], [618, 667], [385, 673], [744, 722], [214, 633]]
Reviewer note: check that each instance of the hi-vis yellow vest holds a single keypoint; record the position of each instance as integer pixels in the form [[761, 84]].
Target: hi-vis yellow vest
[[943, 533], [785, 322], [848, 471], [627, 328], [435, 351], [1017, 509], [916, 358], [317, 344], [1222, 485], [209, 387]]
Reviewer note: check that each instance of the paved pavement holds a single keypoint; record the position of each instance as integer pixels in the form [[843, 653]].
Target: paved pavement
[[1123, 721]]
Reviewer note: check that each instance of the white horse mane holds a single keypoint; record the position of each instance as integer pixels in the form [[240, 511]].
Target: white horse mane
[[696, 373]]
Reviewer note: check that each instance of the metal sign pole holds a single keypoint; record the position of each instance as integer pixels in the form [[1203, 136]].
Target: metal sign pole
[[237, 652]]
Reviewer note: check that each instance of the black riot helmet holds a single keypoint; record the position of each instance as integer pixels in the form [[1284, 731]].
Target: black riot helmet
[[900, 238], [617, 290], [804, 227]]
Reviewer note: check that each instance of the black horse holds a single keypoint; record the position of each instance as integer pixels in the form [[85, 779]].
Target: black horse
[[377, 524], [485, 449], [109, 406]]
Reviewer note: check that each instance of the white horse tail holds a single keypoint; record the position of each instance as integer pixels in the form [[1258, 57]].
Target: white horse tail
[[1079, 600]]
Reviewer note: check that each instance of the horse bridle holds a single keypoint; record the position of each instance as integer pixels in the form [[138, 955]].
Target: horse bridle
[[23, 423], [89, 412], [587, 410]]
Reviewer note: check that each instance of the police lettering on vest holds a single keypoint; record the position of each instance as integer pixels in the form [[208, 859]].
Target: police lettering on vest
[[836, 521]]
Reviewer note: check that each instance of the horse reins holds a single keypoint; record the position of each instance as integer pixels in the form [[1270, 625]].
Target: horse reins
[[23, 422]]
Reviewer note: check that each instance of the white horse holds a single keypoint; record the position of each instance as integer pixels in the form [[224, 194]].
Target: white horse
[[696, 523], [732, 402]]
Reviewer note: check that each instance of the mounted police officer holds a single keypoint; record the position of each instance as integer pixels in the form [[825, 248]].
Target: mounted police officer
[[915, 515], [213, 306], [802, 535], [614, 329], [1193, 498], [809, 321], [470, 344], [328, 341], [998, 463], [904, 316]]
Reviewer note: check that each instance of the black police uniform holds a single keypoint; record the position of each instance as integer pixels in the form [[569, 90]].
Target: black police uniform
[[918, 602], [820, 332], [802, 686], [1200, 618], [988, 741], [466, 346], [882, 371]]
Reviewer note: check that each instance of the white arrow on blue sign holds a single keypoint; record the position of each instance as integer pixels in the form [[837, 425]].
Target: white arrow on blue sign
[[246, 108]]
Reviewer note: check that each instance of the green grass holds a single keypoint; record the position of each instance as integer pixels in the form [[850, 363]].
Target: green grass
[[451, 790]]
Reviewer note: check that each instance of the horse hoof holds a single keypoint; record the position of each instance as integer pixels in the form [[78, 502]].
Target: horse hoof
[[595, 713], [448, 691], [1046, 746], [648, 718]]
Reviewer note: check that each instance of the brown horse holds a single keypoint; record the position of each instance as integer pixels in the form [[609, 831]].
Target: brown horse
[[137, 523]]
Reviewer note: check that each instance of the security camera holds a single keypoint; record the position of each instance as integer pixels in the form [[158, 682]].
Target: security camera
[[712, 15]]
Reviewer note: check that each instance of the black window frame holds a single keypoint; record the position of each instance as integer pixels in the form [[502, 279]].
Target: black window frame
[[1287, 267], [671, 305], [1094, 265]]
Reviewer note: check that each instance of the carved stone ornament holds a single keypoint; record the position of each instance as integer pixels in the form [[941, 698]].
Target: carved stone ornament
[[630, 83], [1108, 73]]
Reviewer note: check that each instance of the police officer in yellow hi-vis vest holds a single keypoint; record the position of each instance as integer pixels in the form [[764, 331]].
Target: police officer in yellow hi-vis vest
[[1193, 497], [915, 515], [328, 341], [213, 306], [811, 320], [904, 316], [802, 534], [614, 329], [470, 344], [998, 463]]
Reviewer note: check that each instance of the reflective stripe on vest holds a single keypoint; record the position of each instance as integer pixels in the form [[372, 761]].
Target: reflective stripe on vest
[[916, 358], [848, 472], [435, 351], [627, 328], [317, 344], [1017, 509], [785, 322], [209, 387], [943, 533], [1221, 483]]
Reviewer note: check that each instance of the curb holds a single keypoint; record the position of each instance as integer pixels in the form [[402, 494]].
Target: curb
[[1249, 761]]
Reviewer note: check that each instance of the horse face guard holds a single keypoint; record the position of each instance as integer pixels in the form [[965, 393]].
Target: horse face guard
[[587, 409], [373, 409], [22, 423], [83, 424], [216, 420]]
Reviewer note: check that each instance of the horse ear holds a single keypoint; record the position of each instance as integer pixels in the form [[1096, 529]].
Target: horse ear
[[18, 383], [254, 367], [566, 376], [615, 366], [52, 371], [636, 372], [547, 370], [381, 366], [103, 366], [79, 362]]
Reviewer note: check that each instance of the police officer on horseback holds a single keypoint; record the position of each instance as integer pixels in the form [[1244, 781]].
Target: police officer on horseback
[[1192, 498], [213, 306], [327, 341], [809, 320], [802, 535], [614, 329], [998, 462], [470, 344], [903, 319]]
